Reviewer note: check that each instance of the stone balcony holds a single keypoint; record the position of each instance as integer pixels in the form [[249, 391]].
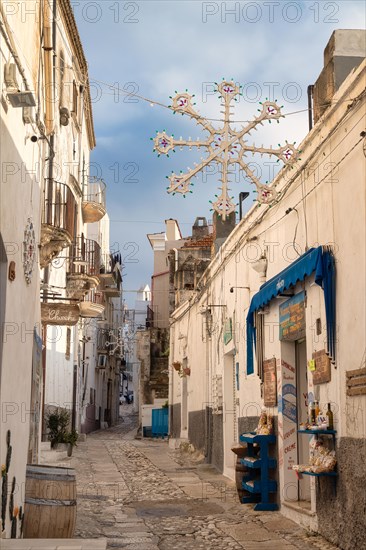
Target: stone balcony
[[83, 268], [58, 220], [93, 205], [110, 276], [92, 306]]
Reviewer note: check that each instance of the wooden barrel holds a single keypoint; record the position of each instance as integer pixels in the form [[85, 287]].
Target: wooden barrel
[[50, 502], [240, 469]]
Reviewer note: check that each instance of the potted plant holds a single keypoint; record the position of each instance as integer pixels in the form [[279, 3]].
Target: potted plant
[[57, 424], [71, 439]]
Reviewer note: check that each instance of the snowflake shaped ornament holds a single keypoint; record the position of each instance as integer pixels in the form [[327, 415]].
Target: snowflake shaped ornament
[[225, 147]]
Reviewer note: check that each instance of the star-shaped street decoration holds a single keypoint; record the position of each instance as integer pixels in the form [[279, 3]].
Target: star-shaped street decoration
[[225, 147]]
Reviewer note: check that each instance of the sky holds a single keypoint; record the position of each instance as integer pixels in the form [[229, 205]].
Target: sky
[[154, 48]]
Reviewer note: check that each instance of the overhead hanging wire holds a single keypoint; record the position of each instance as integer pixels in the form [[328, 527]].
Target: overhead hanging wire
[[153, 102]]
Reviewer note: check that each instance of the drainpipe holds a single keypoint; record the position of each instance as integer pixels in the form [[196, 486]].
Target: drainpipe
[[48, 47], [310, 105]]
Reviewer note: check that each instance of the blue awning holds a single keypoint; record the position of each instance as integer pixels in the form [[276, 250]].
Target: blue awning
[[314, 260]]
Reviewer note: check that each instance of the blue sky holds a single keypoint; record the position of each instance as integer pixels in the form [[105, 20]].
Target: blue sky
[[152, 48]]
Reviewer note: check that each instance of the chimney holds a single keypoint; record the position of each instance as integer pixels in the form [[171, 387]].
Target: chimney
[[199, 228], [172, 230], [222, 229], [343, 53]]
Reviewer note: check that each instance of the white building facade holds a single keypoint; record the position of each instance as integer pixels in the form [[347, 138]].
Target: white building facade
[[305, 255]]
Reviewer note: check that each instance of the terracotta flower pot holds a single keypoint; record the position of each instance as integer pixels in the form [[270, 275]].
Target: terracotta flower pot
[[176, 365], [187, 371]]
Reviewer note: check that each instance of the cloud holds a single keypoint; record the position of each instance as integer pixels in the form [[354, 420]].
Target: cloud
[[170, 47]]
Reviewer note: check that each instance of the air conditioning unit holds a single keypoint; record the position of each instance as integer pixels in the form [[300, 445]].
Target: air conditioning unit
[[64, 116], [10, 75], [102, 361], [21, 99]]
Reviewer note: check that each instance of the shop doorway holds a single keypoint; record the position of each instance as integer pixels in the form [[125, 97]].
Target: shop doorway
[[304, 494]]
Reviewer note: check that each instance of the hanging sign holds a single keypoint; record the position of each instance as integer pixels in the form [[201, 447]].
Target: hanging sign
[[292, 318], [269, 383], [322, 373], [59, 314]]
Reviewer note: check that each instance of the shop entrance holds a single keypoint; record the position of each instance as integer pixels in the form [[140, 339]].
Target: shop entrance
[[302, 413]]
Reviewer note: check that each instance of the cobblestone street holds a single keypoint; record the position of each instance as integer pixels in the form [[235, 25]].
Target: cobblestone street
[[140, 494]]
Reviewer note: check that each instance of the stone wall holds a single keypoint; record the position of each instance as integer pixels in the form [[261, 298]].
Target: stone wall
[[342, 516], [197, 429], [217, 442]]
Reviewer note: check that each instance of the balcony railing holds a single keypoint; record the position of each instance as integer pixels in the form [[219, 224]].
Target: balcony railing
[[85, 257], [92, 305], [110, 274], [59, 206], [58, 220], [94, 203], [83, 268]]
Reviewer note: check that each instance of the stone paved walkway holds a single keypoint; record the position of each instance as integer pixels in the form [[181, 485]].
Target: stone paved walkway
[[141, 495]]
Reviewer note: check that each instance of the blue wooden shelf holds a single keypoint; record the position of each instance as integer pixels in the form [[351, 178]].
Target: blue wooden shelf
[[252, 437], [257, 481], [321, 474], [256, 485], [317, 432], [255, 462]]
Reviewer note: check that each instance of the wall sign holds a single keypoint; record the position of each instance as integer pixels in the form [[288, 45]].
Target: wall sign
[[292, 318], [59, 314], [322, 372], [269, 382]]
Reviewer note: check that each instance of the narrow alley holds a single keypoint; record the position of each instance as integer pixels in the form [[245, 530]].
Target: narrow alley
[[139, 494]]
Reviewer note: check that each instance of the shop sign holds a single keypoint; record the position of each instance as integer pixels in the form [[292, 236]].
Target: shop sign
[[59, 314], [228, 331], [322, 372], [292, 318], [269, 383]]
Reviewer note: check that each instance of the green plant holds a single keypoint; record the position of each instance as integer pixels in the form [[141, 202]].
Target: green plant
[[71, 437], [57, 424], [165, 406]]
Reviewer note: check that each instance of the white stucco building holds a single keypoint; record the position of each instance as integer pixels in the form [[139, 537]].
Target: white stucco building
[[292, 279]]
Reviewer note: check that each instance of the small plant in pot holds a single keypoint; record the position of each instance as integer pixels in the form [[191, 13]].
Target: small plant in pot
[[57, 424], [71, 439]]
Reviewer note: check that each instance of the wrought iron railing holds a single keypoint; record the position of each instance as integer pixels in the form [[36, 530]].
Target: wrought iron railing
[[84, 257], [59, 206], [95, 191], [95, 297]]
